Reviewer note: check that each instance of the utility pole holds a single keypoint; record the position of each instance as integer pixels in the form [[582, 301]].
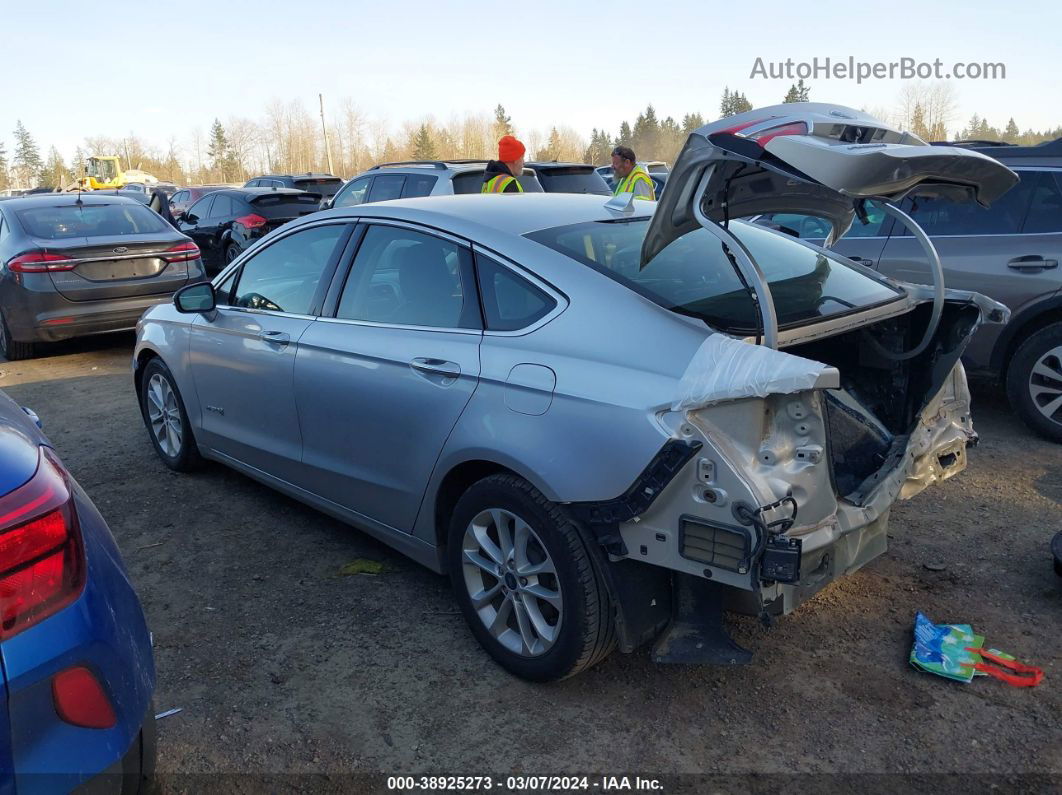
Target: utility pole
[[324, 129]]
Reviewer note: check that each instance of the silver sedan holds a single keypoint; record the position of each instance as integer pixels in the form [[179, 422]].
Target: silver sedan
[[559, 401]]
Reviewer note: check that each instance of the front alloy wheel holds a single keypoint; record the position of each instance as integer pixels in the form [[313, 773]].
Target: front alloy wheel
[[164, 416], [512, 582], [166, 419]]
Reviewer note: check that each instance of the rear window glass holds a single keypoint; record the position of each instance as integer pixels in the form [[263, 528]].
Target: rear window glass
[[418, 185], [325, 187], [572, 180], [90, 220], [285, 205], [472, 182], [694, 277], [385, 188]]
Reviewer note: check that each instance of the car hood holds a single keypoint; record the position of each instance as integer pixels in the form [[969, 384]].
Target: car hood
[[815, 159]]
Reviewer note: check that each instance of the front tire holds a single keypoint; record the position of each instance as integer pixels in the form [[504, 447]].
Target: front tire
[[232, 251], [166, 419], [527, 582], [1034, 382]]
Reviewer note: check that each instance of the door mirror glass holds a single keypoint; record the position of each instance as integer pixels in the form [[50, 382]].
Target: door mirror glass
[[195, 298]]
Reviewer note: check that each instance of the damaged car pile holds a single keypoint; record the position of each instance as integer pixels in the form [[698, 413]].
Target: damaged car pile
[[605, 421]]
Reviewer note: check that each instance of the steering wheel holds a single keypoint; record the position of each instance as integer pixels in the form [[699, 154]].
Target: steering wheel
[[258, 301]]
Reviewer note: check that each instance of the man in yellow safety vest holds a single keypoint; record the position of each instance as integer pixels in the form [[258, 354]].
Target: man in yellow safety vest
[[500, 175], [630, 177]]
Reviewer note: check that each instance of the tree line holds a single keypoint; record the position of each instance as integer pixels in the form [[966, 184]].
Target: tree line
[[288, 139]]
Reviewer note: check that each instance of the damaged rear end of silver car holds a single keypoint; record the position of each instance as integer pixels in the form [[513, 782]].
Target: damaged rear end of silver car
[[795, 440]]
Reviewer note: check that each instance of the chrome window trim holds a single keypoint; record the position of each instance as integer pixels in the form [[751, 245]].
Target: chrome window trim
[[268, 312], [405, 327]]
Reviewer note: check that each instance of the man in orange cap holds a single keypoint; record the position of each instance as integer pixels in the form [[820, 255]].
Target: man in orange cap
[[500, 175]]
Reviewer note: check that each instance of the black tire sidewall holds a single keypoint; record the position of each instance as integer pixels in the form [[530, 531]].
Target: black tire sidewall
[[11, 349], [1018, 374], [188, 458], [563, 657]]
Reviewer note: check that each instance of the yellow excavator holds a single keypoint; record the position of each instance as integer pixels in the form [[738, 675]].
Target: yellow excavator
[[104, 172]]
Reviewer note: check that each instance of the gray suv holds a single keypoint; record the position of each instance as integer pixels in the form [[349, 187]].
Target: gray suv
[[411, 179], [1010, 252]]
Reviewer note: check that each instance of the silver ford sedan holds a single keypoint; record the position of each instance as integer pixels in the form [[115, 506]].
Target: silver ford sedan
[[606, 420]]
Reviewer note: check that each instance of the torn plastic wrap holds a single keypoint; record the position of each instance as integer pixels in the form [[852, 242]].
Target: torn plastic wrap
[[724, 368]]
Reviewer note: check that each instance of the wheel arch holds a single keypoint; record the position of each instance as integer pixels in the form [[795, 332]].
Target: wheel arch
[[1027, 322]]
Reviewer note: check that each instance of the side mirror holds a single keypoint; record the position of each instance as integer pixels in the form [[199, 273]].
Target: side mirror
[[190, 218], [195, 298]]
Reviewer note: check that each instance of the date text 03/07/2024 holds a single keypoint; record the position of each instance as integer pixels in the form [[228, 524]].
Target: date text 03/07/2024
[[523, 783]]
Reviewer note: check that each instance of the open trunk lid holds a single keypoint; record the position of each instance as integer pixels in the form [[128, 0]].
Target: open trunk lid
[[811, 158]]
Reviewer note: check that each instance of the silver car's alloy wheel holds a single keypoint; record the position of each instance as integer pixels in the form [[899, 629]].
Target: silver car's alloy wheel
[[512, 582], [1045, 384], [164, 415]]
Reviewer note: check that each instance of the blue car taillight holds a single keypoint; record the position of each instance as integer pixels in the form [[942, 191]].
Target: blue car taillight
[[42, 562]]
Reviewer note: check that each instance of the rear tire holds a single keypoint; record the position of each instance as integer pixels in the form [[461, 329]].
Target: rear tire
[[532, 592], [232, 251], [14, 350], [166, 419], [1034, 382]]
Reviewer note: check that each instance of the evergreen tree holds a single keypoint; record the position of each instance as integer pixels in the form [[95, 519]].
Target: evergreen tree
[[691, 122], [1011, 134], [645, 137], [733, 102], [390, 152], [422, 144], [503, 124], [741, 104], [54, 174], [79, 164], [600, 148], [219, 152], [3, 166], [26, 161], [553, 147], [798, 92], [624, 137]]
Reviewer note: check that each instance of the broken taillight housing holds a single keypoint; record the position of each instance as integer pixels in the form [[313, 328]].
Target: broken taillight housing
[[42, 561]]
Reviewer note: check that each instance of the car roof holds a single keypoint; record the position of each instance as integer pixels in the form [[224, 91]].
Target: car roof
[[1001, 150], [87, 198], [515, 214], [418, 166], [546, 165]]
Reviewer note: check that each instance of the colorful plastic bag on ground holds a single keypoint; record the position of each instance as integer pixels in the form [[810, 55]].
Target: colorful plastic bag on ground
[[954, 652]]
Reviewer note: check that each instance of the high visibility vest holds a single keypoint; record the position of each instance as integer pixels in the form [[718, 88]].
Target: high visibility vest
[[499, 183], [626, 185]]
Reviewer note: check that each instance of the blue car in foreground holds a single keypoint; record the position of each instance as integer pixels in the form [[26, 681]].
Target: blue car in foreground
[[76, 668]]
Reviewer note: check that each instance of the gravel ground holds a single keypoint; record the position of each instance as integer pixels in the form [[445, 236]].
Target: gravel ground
[[283, 666]]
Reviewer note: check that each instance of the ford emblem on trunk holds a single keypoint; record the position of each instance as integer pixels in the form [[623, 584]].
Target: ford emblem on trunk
[[121, 250]]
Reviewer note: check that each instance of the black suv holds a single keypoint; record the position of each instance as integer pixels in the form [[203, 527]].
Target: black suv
[[226, 222]]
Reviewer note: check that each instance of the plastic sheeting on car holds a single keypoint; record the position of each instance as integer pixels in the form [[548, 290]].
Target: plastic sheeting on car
[[724, 368]]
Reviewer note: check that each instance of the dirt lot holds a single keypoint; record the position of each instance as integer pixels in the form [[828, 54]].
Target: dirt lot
[[283, 665]]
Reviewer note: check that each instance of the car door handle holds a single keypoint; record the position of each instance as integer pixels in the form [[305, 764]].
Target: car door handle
[[281, 338], [436, 367], [868, 263], [1032, 264]]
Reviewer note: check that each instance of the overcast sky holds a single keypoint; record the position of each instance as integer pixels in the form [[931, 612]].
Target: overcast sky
[[75, 69]]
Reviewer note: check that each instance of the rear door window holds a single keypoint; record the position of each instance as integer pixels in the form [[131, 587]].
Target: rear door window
[[90, 220], [1045, 208], [510, 302], [222, 207], [418, 185], [938, 216], [404, 277], [284, 276], [386, 187], [201, 208], [353, 193]]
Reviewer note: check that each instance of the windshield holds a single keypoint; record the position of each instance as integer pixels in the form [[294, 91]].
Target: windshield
[[693, 275], [90, 220]]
